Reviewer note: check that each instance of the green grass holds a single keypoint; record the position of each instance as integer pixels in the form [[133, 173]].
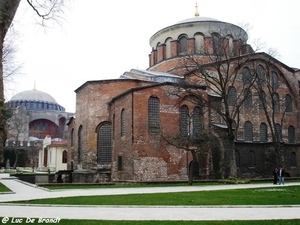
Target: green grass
[[114, 222], [283, 195], [3, 188]]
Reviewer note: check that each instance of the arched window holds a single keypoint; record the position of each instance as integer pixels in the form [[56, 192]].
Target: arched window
[[278, 132], [197, 122], [64, 156], [232, 96], [263, 132], [274, 80], [123, 123], [80, 144], [168, 47], [182, 45], [237, 158], [199, 43], [261, 75], [248, 98], [104, 143], [293, 160], [262, 100], [216, 44], [184, 121], [288, 103], [153, 115], [248, 131], [291, 134], [251, 159], [246, 76], [276, 102]]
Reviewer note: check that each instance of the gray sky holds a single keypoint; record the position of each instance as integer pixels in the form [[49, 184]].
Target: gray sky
[[103, 39]]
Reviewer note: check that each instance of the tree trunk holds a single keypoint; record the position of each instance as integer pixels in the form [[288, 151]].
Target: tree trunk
[[8, 9], [191, 168]]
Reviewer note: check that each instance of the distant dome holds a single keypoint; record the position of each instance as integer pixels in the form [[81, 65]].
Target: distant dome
[[35, 100], [33, 95]]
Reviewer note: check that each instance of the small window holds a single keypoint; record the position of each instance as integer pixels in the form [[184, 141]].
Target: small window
[[120, 163], [184, 121]]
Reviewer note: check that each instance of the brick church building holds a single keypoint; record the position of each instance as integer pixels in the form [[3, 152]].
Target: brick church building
[[207, 95]]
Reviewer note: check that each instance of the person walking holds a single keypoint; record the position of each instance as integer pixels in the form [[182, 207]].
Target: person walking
[[275, 175], [281, 175]]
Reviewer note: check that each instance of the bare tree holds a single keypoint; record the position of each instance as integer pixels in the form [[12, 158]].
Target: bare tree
[[46, 10]]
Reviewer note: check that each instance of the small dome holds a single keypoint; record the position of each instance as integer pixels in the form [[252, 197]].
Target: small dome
[[33, 95]]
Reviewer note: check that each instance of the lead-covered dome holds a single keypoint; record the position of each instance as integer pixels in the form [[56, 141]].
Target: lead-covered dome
[[33, 95], [35, 100]]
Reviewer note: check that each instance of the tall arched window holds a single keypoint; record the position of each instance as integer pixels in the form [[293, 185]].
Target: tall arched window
[[153, 115], [291, 134], [199, 43], [184, 121], [248, 131], [263, 132], [276, 103], [262, 100], [80, 144], [274, 80], [261, 75], [248, 98], [251, 159], [183, 45], [288, 103], [123, 123], [104, 143], [216, 44], [197, 122], [232, 96], [246, 76], [168, 48]]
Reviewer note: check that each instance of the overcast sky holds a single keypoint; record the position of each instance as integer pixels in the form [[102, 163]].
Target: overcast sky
[[102, 39]]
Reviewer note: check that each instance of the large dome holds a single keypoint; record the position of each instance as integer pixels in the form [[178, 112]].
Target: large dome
[[35, 100], [33, 95]]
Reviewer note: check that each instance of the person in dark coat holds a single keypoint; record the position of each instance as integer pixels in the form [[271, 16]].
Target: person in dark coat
[[275, 175], [281, 174]]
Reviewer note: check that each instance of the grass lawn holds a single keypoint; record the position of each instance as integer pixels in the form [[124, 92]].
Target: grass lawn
[[3, 188], [283, 195]]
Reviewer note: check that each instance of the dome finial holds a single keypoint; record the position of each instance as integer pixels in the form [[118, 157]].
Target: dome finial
[[34, 86], [197, 13]]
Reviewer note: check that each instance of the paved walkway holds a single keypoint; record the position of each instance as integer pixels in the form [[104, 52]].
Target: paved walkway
[[25, 191]]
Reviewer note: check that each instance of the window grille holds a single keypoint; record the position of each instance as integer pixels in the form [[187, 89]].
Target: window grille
[[153, 115], [288, 103], [184, 121], [248, 133], [123, 123], [104, 143], [232, 96], [291, 134], [251, 159], [263, 132], [80, 145], [248, 98], [197, 118]]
